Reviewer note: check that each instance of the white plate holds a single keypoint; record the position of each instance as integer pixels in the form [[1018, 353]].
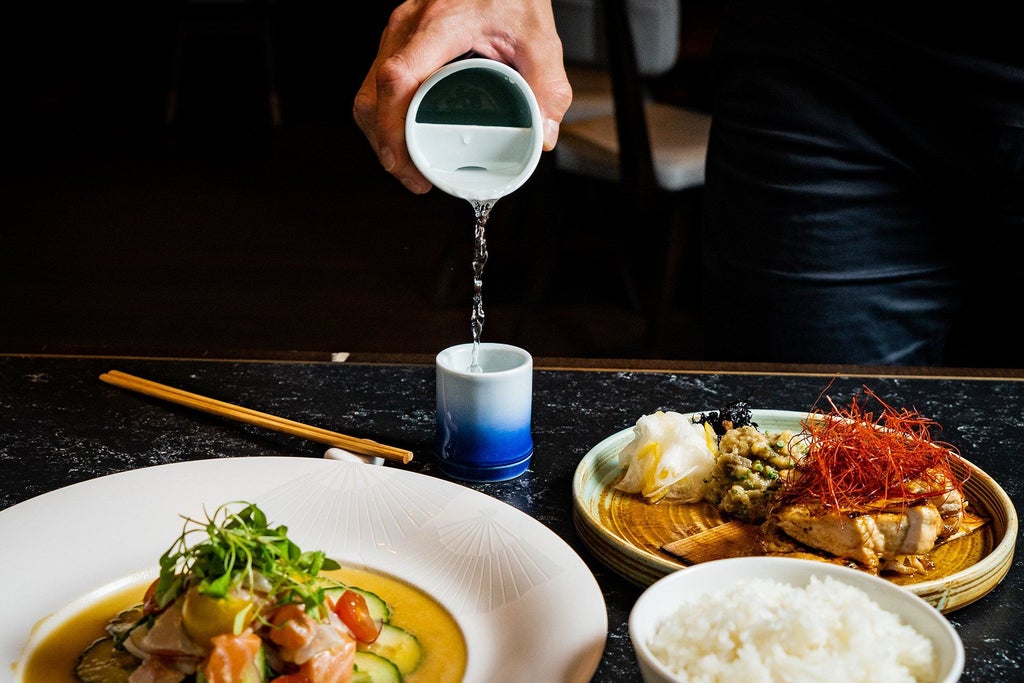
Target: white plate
[[529, 607]]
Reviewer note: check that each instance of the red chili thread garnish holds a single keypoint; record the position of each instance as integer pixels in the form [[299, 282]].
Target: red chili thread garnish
[[855, 463]]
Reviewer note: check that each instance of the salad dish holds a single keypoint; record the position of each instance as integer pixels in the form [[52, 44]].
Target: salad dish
[[681, 489], [360, 542], [237, 601]]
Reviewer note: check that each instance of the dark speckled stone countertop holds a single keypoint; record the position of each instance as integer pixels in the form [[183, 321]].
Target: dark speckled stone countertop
[[60, 425]]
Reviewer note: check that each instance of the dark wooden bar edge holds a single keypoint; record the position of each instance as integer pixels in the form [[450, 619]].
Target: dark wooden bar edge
[[541, 363]]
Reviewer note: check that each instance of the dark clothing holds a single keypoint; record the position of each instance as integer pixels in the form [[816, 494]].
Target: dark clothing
[[865, 186]]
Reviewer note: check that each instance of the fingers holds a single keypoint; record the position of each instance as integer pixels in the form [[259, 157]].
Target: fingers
[[538, 57], [423, 35], [393, 89], [383, 98], [417, 41], [550, 86]]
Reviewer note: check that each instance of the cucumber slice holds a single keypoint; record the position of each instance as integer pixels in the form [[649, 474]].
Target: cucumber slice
[[121, 626], [103, 662], [379, 609], [372, 668], [398, 645]]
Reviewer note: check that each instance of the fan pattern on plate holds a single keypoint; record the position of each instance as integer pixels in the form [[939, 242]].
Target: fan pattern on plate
[[321, 505], [483, 560], [485, 563]]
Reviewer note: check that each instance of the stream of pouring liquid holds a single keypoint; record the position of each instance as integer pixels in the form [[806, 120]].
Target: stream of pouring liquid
[[482, 210]]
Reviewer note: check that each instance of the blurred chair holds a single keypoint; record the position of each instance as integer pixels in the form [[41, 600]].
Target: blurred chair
[[651, 153]]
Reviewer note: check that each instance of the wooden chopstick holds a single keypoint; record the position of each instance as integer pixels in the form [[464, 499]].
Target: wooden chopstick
[[254, 417]]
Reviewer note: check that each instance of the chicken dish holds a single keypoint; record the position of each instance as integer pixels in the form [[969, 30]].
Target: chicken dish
[[875, 491]]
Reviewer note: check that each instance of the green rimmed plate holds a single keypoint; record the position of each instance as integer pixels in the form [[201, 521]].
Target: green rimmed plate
[[628, 534]]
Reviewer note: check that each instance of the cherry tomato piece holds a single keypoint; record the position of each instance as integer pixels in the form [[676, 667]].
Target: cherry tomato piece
[[352, 610]]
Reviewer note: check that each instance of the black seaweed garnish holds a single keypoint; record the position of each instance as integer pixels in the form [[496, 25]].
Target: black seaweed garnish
[[736, 414]]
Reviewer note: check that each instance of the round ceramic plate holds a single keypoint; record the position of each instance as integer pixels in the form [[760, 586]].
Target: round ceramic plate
[[629, 534], [493, 567]]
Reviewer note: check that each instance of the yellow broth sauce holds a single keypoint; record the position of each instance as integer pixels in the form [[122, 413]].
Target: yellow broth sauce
[[444, 647]]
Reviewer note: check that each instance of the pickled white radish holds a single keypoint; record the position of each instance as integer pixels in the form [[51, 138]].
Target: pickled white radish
[[669, 457]]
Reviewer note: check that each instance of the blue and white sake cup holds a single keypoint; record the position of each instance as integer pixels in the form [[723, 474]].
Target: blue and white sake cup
[[483, 417]]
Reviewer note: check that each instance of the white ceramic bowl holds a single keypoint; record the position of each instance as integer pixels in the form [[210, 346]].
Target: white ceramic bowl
[[662, 599]]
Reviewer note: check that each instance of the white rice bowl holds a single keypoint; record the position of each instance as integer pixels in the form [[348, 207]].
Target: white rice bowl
[[756, 619]]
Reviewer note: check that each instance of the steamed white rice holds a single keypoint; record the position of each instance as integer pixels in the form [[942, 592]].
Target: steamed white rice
[[767, 630]]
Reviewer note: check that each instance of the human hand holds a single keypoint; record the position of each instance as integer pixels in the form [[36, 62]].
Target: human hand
[[424, 35]]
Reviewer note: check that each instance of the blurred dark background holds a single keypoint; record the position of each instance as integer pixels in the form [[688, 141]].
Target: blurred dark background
[[214, 228], [231, 225], [219, 231]]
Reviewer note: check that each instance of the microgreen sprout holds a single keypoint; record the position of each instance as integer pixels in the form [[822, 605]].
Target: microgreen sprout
[[236, 546]]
